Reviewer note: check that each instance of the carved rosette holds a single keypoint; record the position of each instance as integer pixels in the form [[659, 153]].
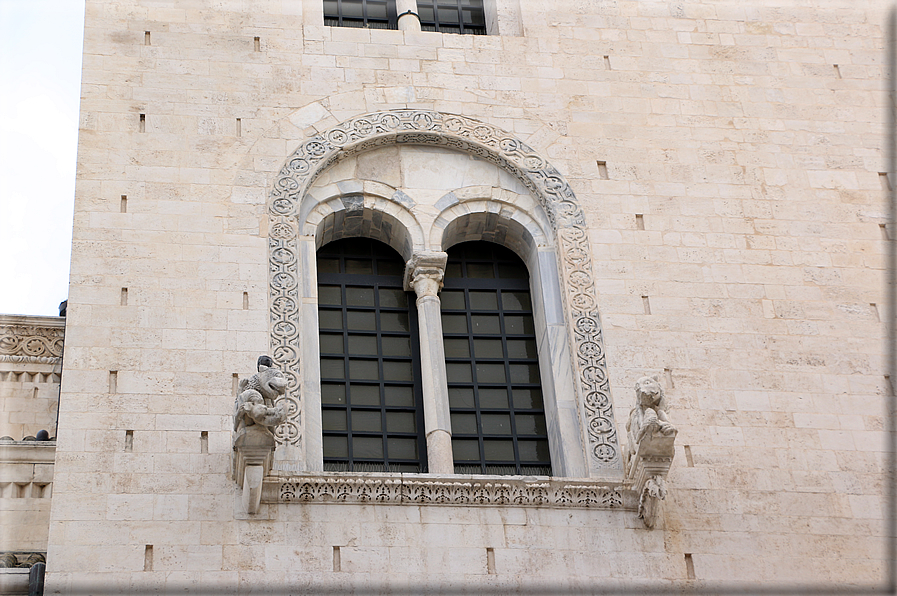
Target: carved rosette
[[31, 343], [399, 489], [425, 127]]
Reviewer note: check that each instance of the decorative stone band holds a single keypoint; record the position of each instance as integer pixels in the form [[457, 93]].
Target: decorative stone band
[[400, 489], [31, 339], [487, 142]]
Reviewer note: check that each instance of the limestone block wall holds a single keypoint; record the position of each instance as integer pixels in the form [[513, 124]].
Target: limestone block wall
[[727, 157]]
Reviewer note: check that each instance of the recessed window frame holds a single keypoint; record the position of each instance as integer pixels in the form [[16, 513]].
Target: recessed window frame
[[509, 275], [336, 14], [357, 249], [436, 8]]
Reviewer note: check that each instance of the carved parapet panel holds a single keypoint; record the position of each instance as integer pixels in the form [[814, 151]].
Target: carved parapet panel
[[31, 339]]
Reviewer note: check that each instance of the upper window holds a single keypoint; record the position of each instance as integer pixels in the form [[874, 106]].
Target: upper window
[[371, 14], [452, 16], [371, 414], [492, 364]]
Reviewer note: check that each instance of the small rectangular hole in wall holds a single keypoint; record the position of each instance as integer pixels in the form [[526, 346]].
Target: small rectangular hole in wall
[[639, 221], [124, 203], [884, 231], [688, 458], [35, 392], [235, 384], [490, 560], [245, 300], [607, 63], [113, 381], [257, 44], [646, 304], [204, 441], [148, 558], [874, 308], [602, 170], [124, 296], [336, 559], [885, 181], [239, 127], [689, 566], [837, 70], [668, 377], [142, 122], [129, 440], [146, 38]]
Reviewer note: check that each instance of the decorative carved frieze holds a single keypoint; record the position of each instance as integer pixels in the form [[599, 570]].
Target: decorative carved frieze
[[31, 339], [462, 490], [425, 127]]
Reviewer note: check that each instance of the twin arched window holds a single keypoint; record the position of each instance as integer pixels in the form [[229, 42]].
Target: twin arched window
[[371, 398]]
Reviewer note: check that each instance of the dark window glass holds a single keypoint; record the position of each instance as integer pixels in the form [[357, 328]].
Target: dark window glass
[[452, 16], [371, 14], [370, 367], [495, 396]]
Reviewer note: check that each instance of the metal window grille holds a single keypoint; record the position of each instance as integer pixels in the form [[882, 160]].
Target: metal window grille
[[492, 364], [371, 402], [452, 16], [370, 14]]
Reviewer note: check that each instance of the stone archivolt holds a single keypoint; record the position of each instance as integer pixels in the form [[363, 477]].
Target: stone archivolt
[[425, 127], [414, 489]]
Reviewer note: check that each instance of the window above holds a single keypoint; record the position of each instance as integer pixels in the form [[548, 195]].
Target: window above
[[370, 14], [452, 16]]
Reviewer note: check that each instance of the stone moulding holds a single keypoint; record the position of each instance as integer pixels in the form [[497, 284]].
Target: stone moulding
[[484, 141], [411, 489], [31, 339]]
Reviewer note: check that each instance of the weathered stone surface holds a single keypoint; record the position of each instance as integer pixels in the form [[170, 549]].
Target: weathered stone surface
[[724, 217]]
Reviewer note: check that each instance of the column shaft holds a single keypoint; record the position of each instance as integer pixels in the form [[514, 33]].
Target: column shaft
[[435, 386]]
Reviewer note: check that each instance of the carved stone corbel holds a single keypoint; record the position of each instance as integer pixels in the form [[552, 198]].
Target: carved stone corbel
[[255, 417], [650, 453]]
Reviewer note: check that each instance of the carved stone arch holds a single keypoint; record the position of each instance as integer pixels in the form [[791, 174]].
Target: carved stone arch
[[363, 210], [489, 143]]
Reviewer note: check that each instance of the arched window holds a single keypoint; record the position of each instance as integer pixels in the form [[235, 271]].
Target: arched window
[[492, 363], [371, 412]]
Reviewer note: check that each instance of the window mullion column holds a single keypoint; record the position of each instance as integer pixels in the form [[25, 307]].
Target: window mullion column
[[423, 274]]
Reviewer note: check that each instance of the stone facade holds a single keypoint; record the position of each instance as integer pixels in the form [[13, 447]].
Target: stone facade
[[706, 176], [30, 366]]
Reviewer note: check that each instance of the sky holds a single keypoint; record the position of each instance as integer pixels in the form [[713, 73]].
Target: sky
[[40, 70]]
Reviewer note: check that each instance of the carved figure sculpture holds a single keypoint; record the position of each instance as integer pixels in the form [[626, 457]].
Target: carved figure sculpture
[[649, 500], [650, 451], [255, 403], [255, 416], [649, 416]]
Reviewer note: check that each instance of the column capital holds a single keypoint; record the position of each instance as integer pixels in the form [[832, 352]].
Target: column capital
[[424, 271]]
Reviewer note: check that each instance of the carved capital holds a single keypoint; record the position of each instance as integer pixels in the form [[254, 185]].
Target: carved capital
[[423, 273]]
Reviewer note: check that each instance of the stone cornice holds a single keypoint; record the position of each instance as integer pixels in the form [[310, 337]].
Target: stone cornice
[[31, 339], [27, 452], [423, 489]]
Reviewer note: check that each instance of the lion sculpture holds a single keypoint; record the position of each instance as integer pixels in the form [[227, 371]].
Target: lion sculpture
[[649, 416], [255, 404]]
